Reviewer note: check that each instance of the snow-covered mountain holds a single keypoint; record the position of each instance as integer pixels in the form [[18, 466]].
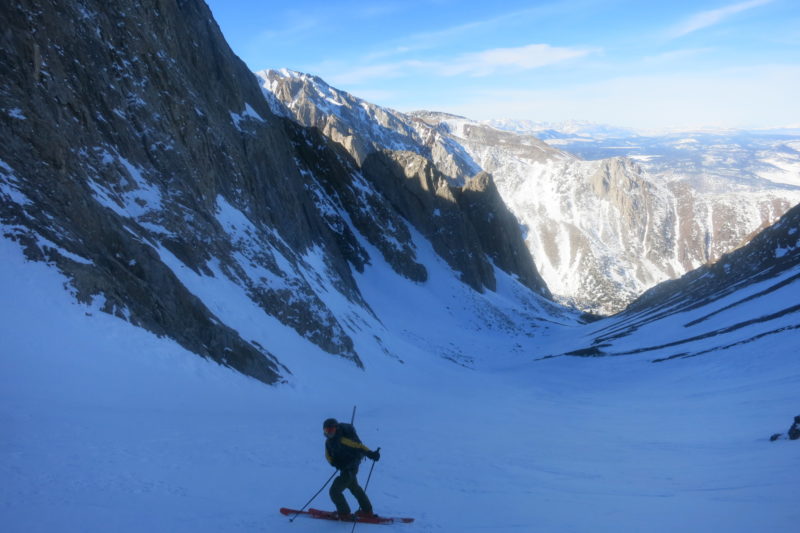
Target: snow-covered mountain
[[746, 296], [361, 127], [123, 166], [571, 129], [154, 205], [601, 232]]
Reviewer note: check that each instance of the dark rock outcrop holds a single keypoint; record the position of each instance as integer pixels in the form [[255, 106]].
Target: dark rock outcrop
[[498, 230], [468, 225], [423, 175]]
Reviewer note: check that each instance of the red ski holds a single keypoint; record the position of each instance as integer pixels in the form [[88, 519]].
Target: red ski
[[330, 515]]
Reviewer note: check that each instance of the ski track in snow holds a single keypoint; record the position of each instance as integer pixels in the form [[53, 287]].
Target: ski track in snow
[[108, 428]]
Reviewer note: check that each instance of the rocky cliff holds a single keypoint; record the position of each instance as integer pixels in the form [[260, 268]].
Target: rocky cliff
[[428, 176], [747, 295], [362, 127], [137, 151], [600, 232]]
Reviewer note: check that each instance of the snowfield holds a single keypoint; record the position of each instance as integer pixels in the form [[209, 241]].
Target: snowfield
[[107, 427]]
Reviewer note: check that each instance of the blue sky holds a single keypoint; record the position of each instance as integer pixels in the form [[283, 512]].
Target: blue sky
[[645, 64]]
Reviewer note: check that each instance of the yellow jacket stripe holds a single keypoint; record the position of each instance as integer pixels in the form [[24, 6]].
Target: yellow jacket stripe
[[347, 442], [354, 444]]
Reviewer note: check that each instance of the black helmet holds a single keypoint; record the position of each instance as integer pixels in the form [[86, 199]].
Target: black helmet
[[329, 427]]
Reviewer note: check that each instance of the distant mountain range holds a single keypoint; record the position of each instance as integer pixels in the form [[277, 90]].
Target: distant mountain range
[[711, 157]]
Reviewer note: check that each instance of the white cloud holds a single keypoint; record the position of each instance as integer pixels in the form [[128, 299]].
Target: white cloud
[[522, 58], [674, 55], [705, 19], [348, 75], [530, 15], [475, 64], [443, 37]]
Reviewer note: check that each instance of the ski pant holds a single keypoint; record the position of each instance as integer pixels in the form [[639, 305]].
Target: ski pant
[[348, 480]]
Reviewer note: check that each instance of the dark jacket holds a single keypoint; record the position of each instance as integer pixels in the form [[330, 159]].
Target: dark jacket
[[344, 450]]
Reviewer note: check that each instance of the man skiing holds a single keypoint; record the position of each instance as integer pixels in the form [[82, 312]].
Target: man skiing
[[794, 431], [344, 450]]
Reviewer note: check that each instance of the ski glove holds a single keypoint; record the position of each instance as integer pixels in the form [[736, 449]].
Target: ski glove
[[375, 456]]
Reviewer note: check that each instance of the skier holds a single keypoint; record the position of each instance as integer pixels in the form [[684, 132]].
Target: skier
[[794, 431], [344, 450]]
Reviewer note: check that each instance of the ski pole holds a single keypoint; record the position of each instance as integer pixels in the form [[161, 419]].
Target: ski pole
[[370, 471], [366, 485], [353, 416], [312, 498]]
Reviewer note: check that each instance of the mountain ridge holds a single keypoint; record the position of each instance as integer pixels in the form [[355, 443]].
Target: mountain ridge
[[140, 156], [600, 232]]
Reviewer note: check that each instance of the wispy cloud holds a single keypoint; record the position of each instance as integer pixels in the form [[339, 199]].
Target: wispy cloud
[[337, 73], [428, 40], [476, 64], [706, 19], [674, 55], [521, 58]]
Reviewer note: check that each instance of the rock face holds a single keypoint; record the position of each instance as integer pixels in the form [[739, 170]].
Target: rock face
[[108, 121], [602, 232], [768, 254], [361, 127], [432, 181], [747, 295], [136, 151]]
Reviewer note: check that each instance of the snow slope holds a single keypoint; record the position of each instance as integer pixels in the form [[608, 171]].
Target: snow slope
[[109, 428]]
